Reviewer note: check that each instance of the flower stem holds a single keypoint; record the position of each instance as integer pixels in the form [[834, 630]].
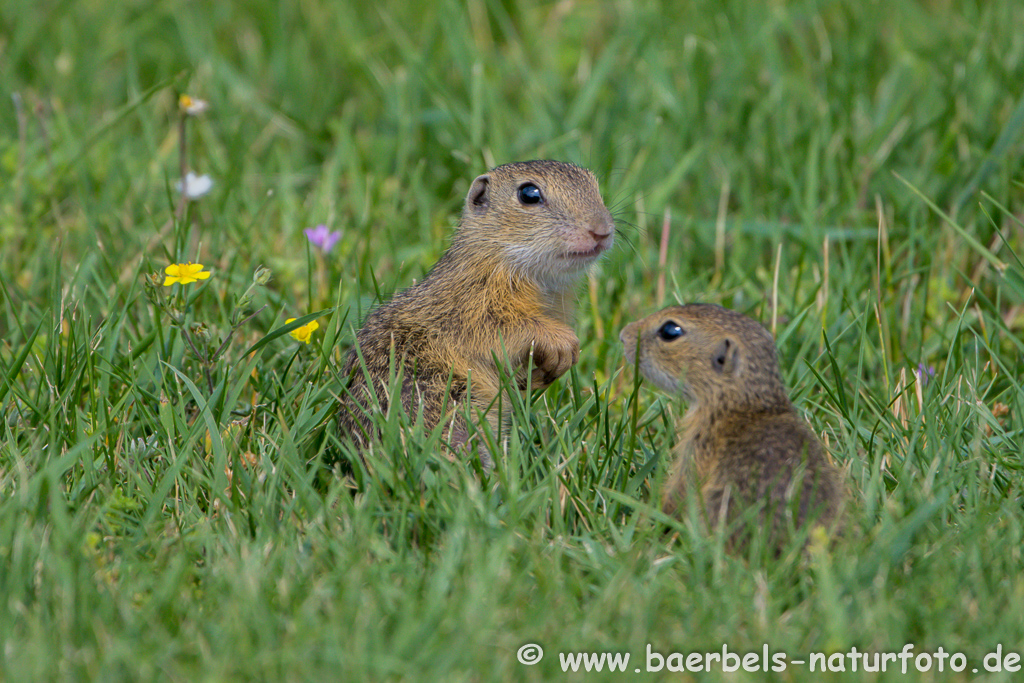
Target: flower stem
[[183, 165]]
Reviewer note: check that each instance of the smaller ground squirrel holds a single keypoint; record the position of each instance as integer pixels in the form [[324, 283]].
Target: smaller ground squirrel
[[503, 289], [742, 441]]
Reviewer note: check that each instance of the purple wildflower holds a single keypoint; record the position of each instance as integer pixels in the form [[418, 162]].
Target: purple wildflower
[[925, 372], [321, 237]]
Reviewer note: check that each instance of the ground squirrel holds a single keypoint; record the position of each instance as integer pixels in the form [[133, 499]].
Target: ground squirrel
[[503, 289], [742, 441]]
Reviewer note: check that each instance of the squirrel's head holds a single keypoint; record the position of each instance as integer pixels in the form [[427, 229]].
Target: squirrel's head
[[706, 353], [545, 219]]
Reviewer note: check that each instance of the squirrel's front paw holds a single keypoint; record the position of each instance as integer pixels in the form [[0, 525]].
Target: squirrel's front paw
[[552, 357]]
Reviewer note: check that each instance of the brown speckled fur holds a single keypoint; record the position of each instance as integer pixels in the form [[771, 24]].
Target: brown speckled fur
[[742, 441], [504, 287]]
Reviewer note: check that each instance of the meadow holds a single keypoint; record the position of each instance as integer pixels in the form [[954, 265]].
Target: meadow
[[174, 501]]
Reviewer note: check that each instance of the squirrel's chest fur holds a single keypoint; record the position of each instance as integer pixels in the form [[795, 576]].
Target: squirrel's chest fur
[[457, 321]]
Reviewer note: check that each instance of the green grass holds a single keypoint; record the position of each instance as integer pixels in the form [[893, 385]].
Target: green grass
[[848, 173]]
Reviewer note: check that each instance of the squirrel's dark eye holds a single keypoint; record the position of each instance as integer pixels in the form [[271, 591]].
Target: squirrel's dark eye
[[670, 331], [530, 194]]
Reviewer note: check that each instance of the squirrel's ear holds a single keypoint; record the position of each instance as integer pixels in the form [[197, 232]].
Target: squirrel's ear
[[725, 357], [479, 196]]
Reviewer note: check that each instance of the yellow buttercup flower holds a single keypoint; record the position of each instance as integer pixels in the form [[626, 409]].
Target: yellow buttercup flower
[[304, 333], [185, 273]]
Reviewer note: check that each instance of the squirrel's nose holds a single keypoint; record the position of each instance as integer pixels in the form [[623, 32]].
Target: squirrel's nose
[[627, 333], [602, 228], [601, 225]]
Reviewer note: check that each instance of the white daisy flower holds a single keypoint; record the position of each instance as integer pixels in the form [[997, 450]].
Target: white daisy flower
[[195, 186]]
